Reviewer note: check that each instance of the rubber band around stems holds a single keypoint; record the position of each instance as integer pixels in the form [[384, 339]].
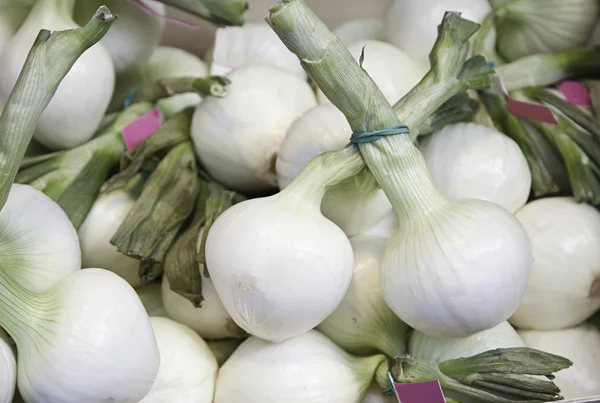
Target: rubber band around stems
[[389, 391], [129, 98], [367, 137]]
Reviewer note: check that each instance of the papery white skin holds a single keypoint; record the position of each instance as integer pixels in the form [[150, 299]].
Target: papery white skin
[[412, 25], [237, 137], [210, 321], [324, 128], [251, 44], [320, 129], [527, 30], [93, 342], [165, 62], [38, 246], [306, 369], [394, 72], [291, 266], [96, 231], [151, 297], [79, 104], [581, 345], [457, 268], [363, 323], [134, 36], [8, 369], [564, 286], [359, 30], [430, 348], [468, 160], [188, 369], [376, 395]]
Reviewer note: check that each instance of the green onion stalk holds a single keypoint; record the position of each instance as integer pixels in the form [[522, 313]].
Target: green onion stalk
[[73, 177], [48, 62], [547, 69], [563, 158], [185, 262], [219, 12], [495, 376], [166, 201]]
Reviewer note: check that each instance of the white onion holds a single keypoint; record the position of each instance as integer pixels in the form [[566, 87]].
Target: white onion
[[237, 137], [468, 160], [564, 286]]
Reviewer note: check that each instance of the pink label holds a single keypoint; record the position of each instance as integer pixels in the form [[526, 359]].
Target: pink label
[[531, 111], [142, 128], [575, 92], [521, 109], [430, 392]]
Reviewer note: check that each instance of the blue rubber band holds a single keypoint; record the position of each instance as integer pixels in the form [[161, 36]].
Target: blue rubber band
[[367, 137], [389, 391], [129, 99]]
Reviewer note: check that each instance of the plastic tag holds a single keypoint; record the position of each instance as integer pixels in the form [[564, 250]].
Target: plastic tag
[[526, 110], [575, 92], [142, 128], [140, 4], [430, 392]]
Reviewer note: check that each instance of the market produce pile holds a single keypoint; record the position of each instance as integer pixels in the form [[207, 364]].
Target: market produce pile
[[300, 215]]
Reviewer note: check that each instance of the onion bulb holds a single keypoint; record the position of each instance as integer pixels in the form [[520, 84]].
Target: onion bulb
[[188, 369], [210, 321], [78, 106], [564, 286], [468, 160], [237, 137], [305, 369]]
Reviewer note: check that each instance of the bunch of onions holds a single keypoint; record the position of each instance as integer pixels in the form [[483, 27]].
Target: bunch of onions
[[439, 273]]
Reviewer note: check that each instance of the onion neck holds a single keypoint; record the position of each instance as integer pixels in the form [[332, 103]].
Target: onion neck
[[402, 173], [392, 339], [322, 172], [22, 313], [366, 369]]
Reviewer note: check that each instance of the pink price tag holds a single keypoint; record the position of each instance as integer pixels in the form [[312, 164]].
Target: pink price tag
[[530, 111], [142, 128], [430, 392], [575, 92], [526, 110]]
